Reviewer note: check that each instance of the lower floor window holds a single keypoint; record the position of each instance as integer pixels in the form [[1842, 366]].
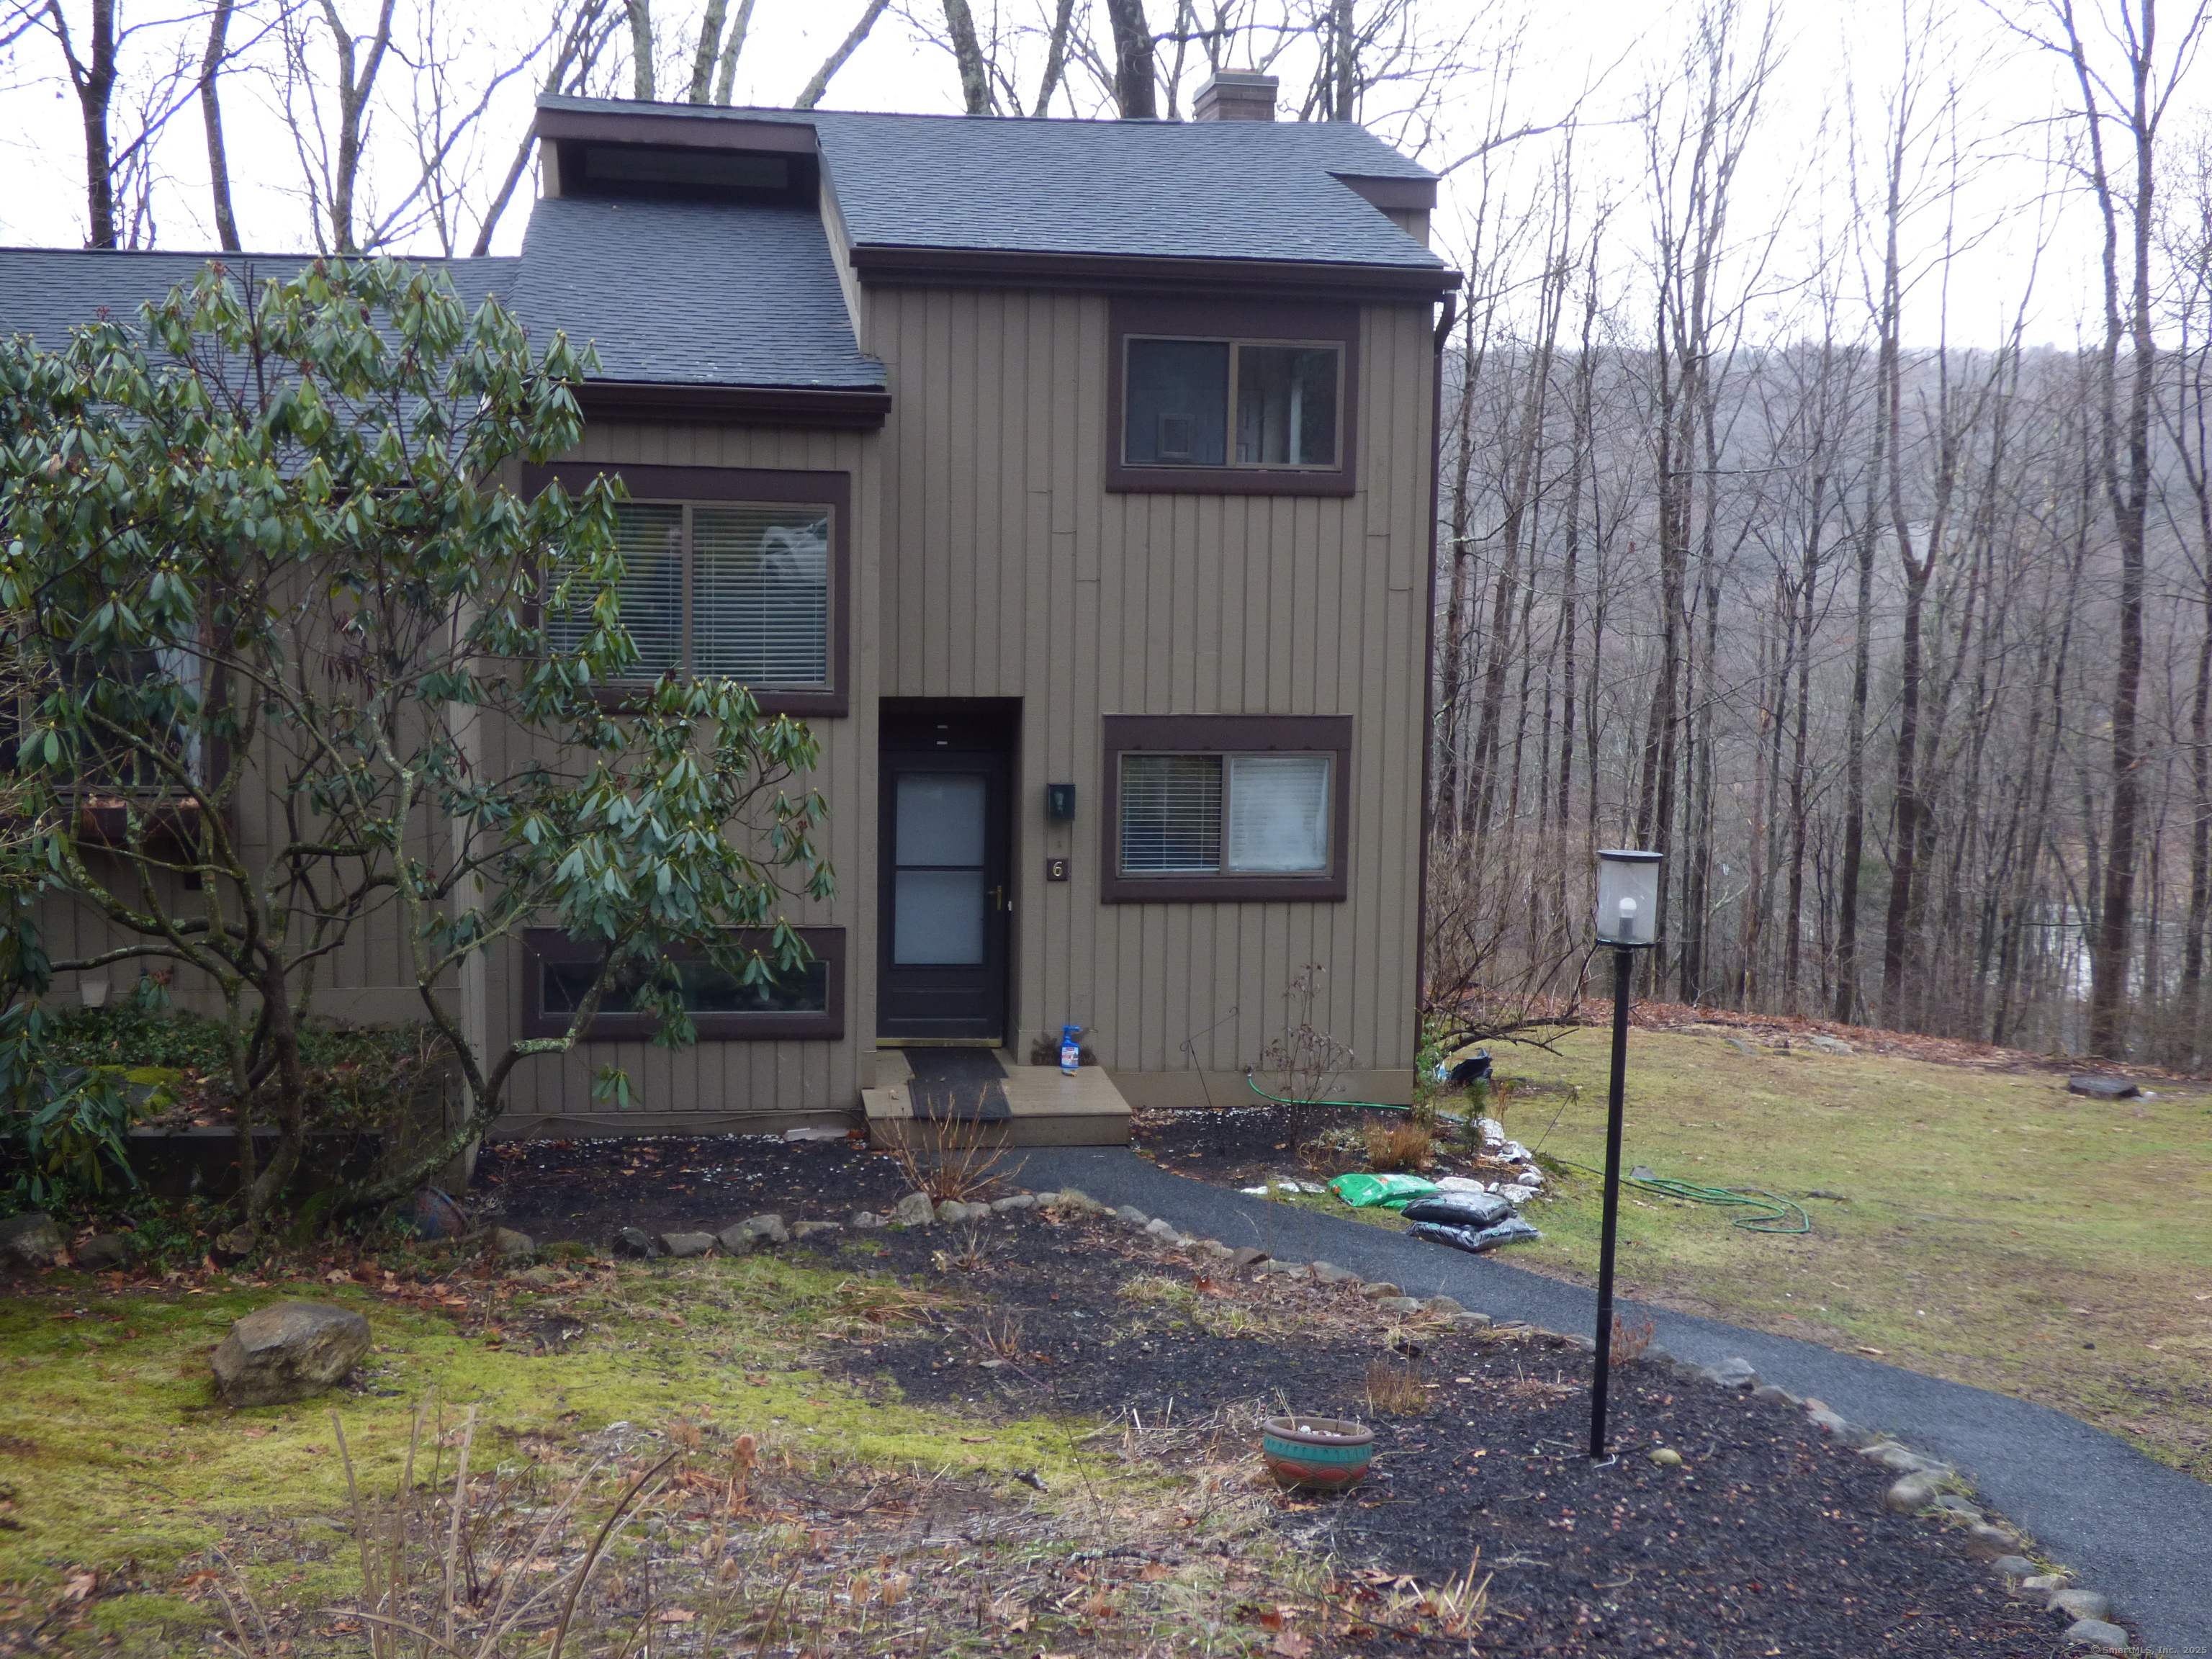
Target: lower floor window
[[1225, 807], [1204, 814], [805, 1001]]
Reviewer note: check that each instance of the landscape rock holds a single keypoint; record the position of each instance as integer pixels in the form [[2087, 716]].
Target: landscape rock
[[738, 1240], [1773, 1395], [1075, 1199], [682, 1246], [104, 1252], [1280, 1269], [1247, 1256], [1910, 1495], [1441, 1306], [544, 1278], [432, 1213], [287, 1350], [915, 1210], [630, 1243], [1327, 1273], [2014, 1567], [235, 1245], [1397, 1304], [1379, 1290], [1951, 1504], [815, 1132], [505, 1241], [1018, 1201], [2102, 1088], [31, 1240], [1159, 1229], [1828, 1045], [2083, 1604], [768, 1229], [2097, 1633], [1740, 1045], [867, 1219], [1891, 1455], [1733, 1373], [2047, 1580], [1132, 1215], [1987, 1543], [953, 1210], [1469, 1322], [804, 1229]]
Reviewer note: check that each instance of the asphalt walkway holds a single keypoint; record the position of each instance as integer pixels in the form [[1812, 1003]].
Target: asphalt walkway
[[2135, 1529]]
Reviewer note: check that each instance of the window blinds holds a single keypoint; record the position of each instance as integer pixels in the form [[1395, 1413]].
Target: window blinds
[[1175, 808], [737, 592], [1170, 814]]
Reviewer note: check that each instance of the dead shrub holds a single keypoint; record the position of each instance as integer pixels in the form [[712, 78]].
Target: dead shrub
[[1400, 1144], [960, 1163], [1629, 1341], [1395, 1390]]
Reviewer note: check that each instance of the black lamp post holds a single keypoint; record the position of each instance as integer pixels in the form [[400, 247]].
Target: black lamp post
[[1628, 920]]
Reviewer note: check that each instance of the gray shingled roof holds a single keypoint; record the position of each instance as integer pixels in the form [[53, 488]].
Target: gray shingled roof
[[1211, 190], [45, 291], [705, 292]]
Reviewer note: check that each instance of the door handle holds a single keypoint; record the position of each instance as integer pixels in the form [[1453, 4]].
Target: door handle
[[998, 899]]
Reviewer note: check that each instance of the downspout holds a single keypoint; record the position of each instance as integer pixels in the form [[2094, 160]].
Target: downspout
[[1429, 667]]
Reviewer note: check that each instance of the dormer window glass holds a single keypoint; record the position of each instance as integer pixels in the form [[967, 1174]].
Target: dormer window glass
[[1245, 403]]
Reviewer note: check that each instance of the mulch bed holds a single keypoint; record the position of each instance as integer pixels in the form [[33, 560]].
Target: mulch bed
[[1768, 1540]]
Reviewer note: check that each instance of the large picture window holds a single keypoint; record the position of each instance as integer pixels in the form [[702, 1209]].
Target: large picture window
[[808, 1001], [730, 573], [1221, 397], [1234, 806]]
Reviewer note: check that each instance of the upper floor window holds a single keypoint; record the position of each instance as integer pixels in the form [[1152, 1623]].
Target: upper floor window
[[1218, 402], [735, 573], [1224, 397]]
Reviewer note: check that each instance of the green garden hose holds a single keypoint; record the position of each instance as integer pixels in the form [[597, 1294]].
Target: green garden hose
[[1253, 1084], [1772, 1212]]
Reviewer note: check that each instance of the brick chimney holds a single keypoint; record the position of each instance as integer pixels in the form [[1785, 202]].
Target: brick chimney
[[1236, 95]]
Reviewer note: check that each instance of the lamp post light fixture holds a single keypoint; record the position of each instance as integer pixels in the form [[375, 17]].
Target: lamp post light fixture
[[1628, 920]]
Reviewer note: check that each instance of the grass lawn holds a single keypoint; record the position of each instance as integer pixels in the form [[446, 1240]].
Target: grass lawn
[[131, 1502], [1996, 1229]]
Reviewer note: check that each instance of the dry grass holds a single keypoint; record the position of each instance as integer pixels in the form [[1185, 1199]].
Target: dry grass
[[1401, 1143], [1395, 1390]]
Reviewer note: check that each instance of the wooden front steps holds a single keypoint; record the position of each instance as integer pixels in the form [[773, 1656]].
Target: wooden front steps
[[1045, 1109]]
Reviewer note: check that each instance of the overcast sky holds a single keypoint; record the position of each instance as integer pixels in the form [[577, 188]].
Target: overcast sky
[[1599, 55]]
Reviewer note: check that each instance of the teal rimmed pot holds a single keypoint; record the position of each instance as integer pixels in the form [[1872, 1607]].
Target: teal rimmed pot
[[1316, 1454]]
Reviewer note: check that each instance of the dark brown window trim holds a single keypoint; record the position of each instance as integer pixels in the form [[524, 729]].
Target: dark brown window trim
[[814, 407], [740, 483], [1225, 734], [541, 945], [645, 125], [1226, 319], [1273, 279]]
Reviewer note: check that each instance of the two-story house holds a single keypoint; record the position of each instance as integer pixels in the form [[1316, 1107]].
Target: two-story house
[[1076, 481]]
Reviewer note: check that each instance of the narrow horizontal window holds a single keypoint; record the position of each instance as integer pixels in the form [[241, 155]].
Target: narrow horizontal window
[[801, 1002]]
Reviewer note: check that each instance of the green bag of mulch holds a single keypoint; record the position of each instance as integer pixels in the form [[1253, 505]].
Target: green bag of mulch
[[1391, 1192]]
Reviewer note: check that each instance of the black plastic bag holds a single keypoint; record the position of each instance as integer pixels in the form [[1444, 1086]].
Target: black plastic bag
[[1460, 1209], [1477, 1239]]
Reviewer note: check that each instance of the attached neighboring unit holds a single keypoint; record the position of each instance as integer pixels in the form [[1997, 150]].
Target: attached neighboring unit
[[1075, 480]]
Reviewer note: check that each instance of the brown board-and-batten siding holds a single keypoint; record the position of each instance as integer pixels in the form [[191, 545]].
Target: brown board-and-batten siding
[[1011, 570], [720, 1086]]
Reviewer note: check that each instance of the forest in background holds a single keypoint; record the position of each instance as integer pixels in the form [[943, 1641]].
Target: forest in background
[[1899, 645]]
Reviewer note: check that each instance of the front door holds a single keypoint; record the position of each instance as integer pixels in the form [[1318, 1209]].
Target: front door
[[946, 894]]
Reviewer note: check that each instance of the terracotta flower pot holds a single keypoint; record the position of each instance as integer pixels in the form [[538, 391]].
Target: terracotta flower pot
[[1326, 1454]]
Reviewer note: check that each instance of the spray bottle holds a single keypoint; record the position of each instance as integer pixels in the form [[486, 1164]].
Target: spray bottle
[[1070, 1049]]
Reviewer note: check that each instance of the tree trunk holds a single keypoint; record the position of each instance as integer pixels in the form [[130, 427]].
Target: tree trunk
[[211, 63], [967, 52], [1136, 93]]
